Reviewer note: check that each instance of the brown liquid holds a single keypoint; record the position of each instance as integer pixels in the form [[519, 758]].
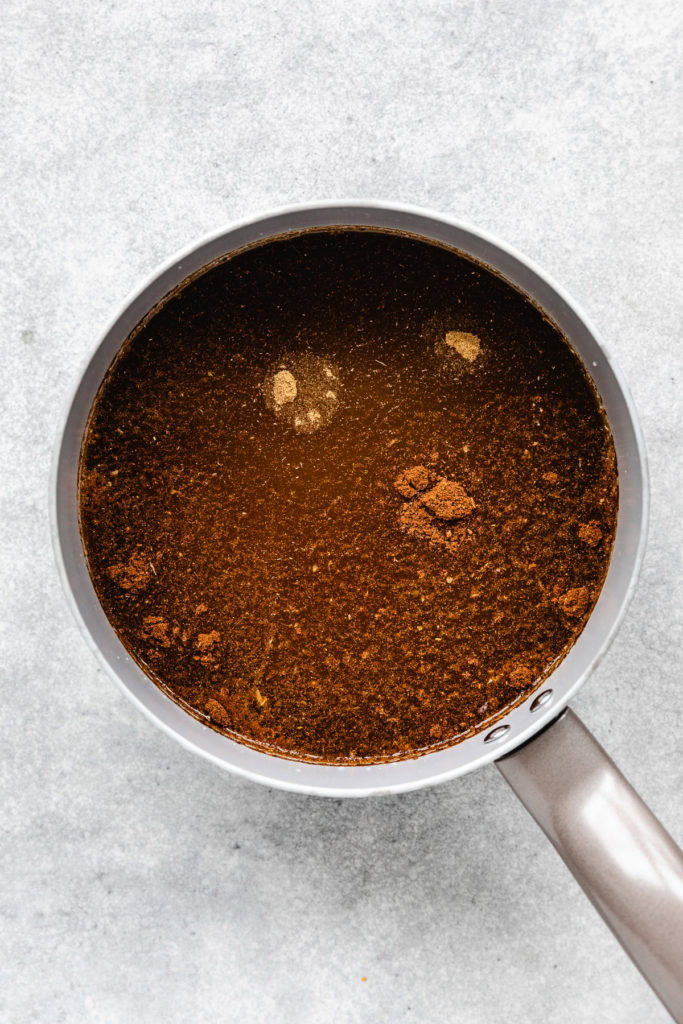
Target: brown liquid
[[272, 571]]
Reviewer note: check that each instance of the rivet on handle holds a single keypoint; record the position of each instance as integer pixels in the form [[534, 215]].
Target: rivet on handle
[[496, 734], [539, 701]]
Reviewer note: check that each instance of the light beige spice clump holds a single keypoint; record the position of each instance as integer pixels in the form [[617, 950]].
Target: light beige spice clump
[[466, 345], [297, 390], [284, 387], [458, 351]]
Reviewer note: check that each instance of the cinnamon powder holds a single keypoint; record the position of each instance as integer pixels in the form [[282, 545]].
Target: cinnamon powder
[[448, 500], [431, 510], [590, 533]]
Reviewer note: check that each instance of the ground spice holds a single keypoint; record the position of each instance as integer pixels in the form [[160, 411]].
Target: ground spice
[[412, 481], [417, 522], [521, 676], [155, 628], [457, 351], [218, 713], [303, 391], [206, 640], [284, 387], [590, 533], [574, 602], [466, 345], [448, 500], [429, 515], [134, 574]]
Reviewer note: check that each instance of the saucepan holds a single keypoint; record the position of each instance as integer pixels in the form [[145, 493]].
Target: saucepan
[[628, 865]]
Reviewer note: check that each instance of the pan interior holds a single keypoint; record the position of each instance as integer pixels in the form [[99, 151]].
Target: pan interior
[[263, 482]]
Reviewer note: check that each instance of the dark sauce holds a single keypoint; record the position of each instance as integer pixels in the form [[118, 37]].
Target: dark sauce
[[259, 562]]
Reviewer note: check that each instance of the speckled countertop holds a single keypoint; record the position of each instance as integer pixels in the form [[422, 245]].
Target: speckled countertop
[[139, 883]]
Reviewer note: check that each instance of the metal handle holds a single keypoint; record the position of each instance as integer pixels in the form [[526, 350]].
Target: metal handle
[[625, 861]]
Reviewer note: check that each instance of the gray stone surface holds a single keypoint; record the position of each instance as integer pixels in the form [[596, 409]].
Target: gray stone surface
[[138, 882]]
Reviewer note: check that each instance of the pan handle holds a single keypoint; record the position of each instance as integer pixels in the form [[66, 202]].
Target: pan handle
[[625, 861]]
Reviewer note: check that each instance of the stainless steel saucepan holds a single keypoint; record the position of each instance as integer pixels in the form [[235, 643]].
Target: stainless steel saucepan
[[625, 861]]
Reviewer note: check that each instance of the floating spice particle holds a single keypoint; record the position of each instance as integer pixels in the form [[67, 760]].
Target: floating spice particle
[[459, 353], [206, 640], [284, 387], [590, 533], [448, 500], [297, 390], [574, 602], [201, 608], [260, 699], [550, 477], [95, 485], [217, 712], [131, 575], [466, 345], [420, 523], [411, 481], [521, 676], [155, 628]]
